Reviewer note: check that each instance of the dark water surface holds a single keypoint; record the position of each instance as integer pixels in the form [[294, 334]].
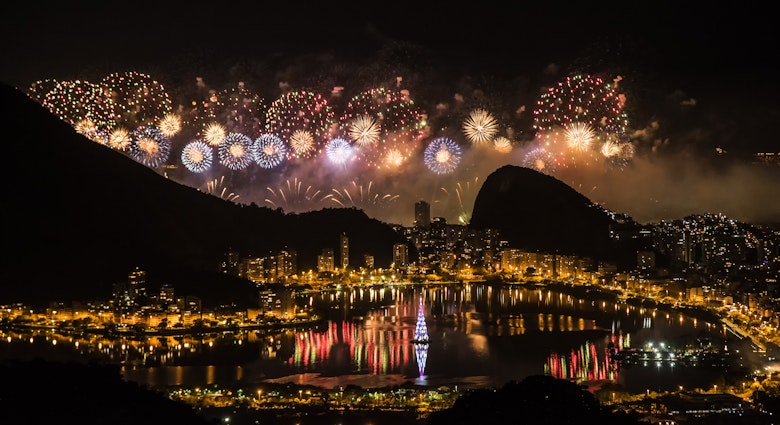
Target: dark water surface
[[478, 335]]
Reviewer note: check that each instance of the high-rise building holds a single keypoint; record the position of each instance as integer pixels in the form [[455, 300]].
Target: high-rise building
[[326, 261], [344, 250], [136, 283], [400, 255], [422, 214]]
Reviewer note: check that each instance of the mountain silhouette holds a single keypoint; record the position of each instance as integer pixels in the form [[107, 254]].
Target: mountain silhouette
[[539, 213], [77, 216]]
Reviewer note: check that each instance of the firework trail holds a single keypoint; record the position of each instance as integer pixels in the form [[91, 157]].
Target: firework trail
[[293, 197], [361, 196], [216, 187]]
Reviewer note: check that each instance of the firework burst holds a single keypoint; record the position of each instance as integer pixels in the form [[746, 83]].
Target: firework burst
[[442, 155], [39, 89], [170, 125], [540, 159], [235, 151], [197, 156], [80, 101], [139, 98], [269, 151], [149, 146], [579, 136], [397, 130], [365, 131], [580, 98], [119, 139], [214, 134], [339, 151], [480, 127], [302, 144], [239, 109], [88, 129], [502, 144], [302, 111]]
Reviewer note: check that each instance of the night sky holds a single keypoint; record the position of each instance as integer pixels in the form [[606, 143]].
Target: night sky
[[699, 83]]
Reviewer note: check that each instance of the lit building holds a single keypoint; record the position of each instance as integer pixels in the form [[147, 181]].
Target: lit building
[[368, 261], [136, 283], [400, 255], [422, 214], [326, 260], [166, 294], [344, 250]]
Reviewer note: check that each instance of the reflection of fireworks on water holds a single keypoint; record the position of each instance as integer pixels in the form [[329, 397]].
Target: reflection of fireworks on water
[[339, 151], [300, 110], [579, 136], [269, 151], [76, 101], [580, 98], [149, 146], [365, 131], [139, 99], [170, 125], [217, 188], [214, 134], [502, 144], [480, 126], [235, 151], [362, 196], [442, 155], [292, 196], [465, 194], [197, 156], [540, 159]]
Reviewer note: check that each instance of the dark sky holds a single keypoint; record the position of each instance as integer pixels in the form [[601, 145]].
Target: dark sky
[[698, 79]]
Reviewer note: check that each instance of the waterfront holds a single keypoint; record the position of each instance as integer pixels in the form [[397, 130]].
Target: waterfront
[[480, 335]]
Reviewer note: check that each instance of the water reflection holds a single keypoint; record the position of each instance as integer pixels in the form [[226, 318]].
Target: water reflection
[[477, 334]]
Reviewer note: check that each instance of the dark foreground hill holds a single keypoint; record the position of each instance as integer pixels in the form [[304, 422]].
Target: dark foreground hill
[[77, 216], [539, 213]]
